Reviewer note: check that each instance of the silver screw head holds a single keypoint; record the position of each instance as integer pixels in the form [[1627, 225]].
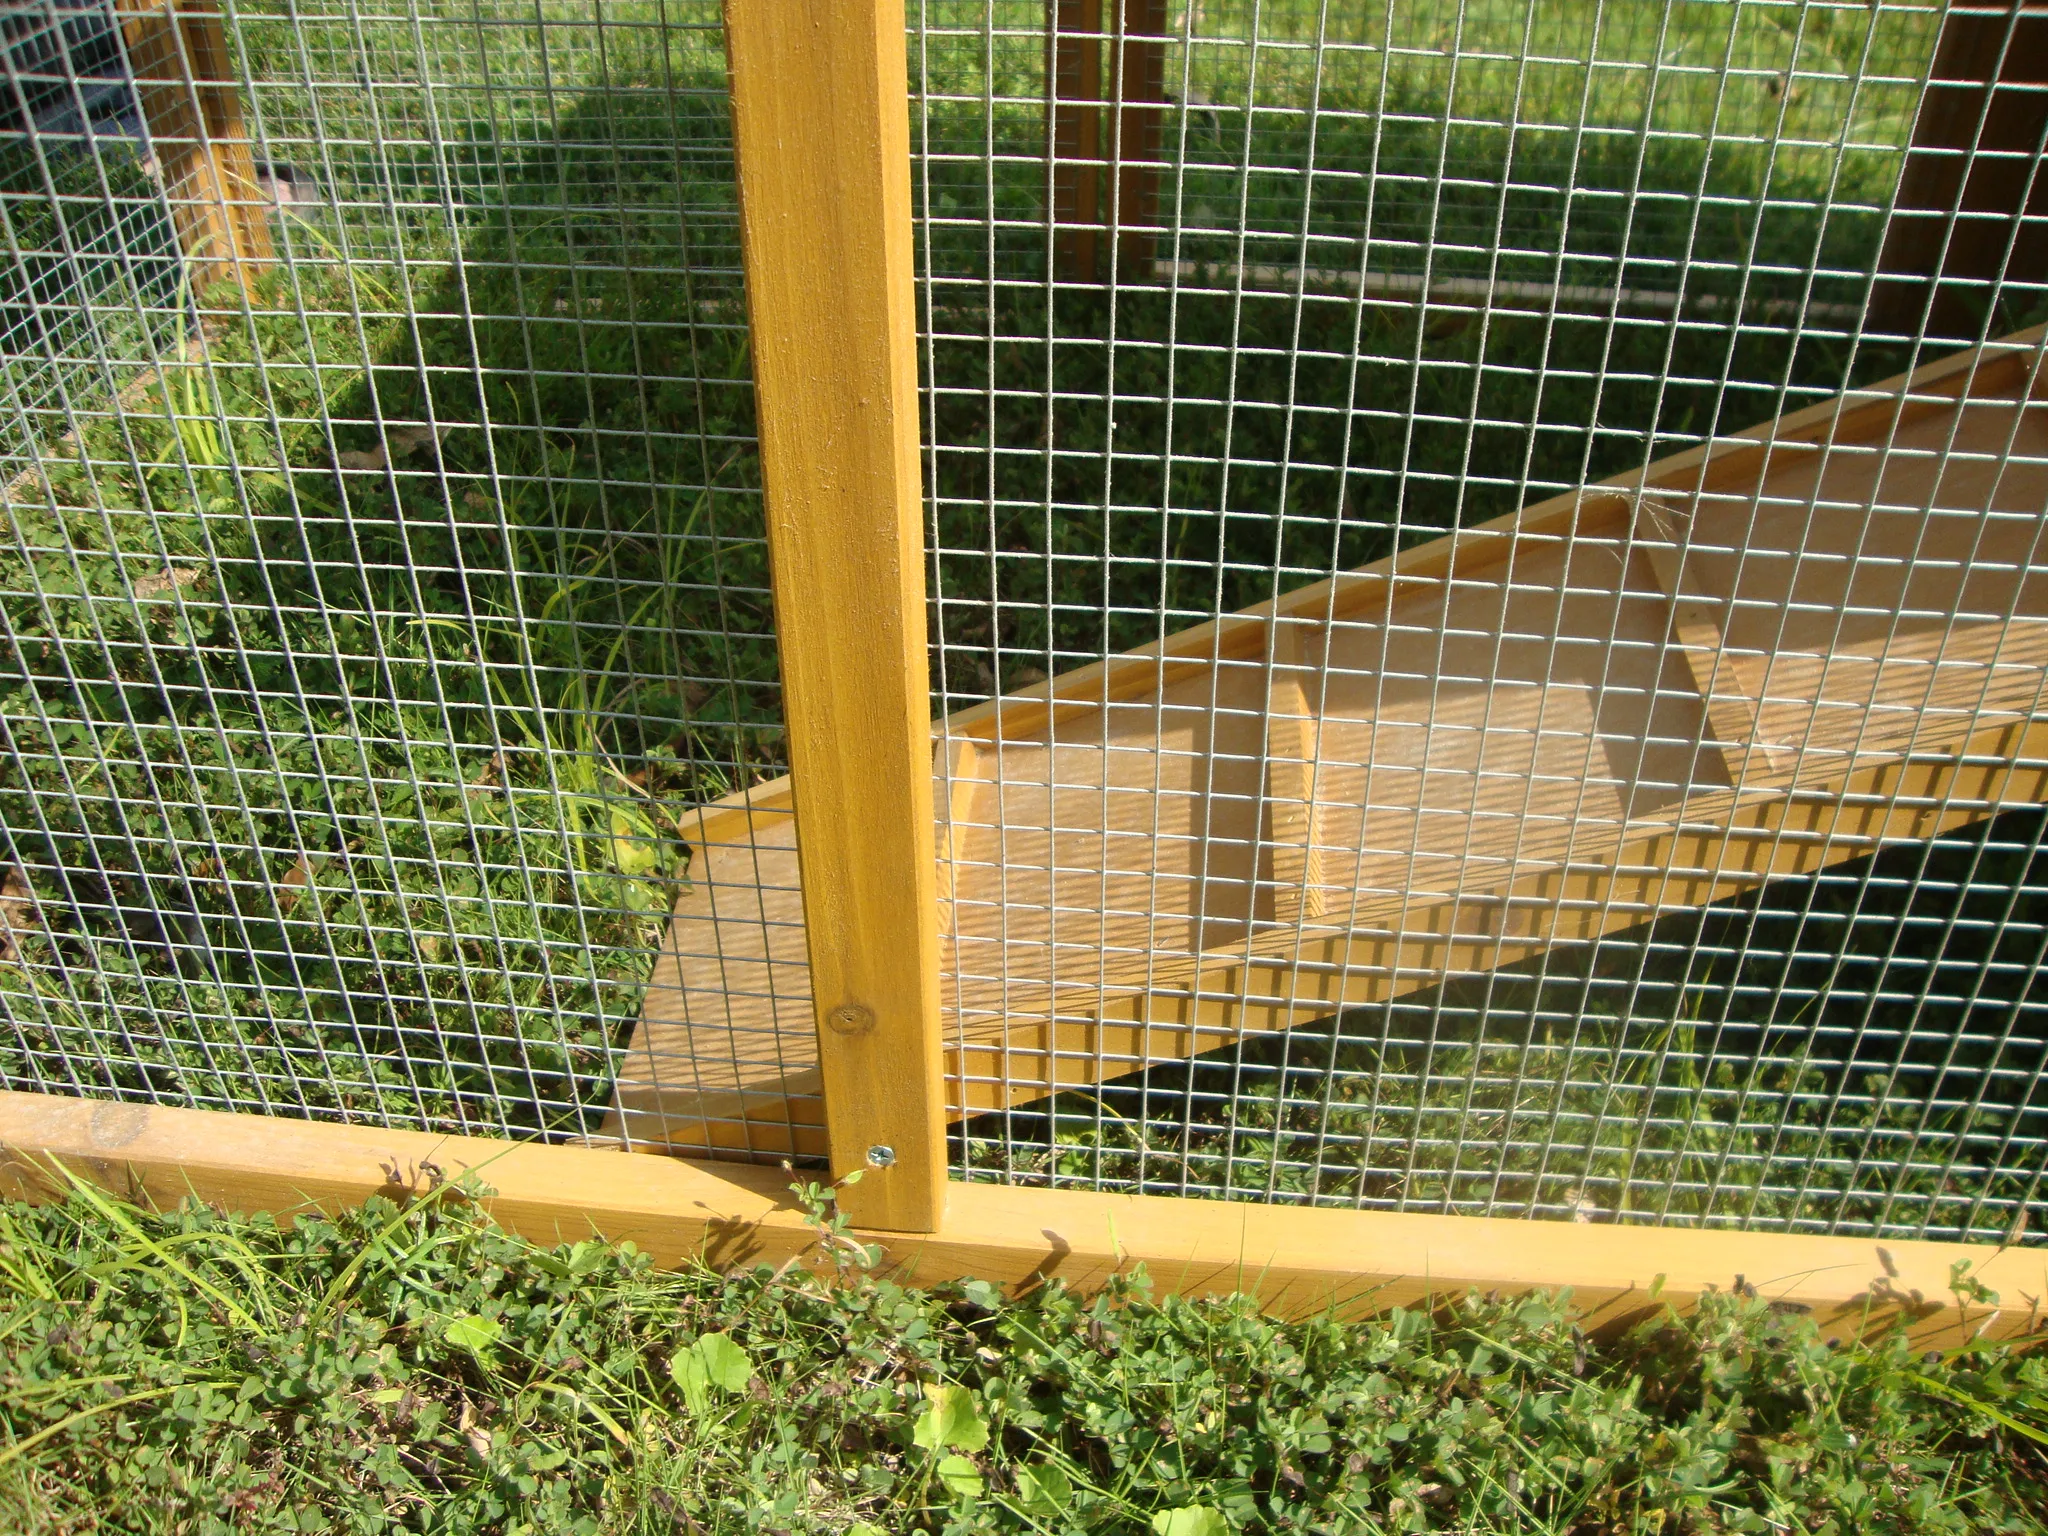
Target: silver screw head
[[881, 1157]]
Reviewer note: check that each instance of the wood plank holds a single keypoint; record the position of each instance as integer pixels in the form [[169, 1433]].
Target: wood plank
[[186, 79], [1074, 138], [1293, 852], [1141, 1021], [821, 124], [1137, 95], [957, 784], [726, 1057], [1509, 749], [1968, 214], [1297, 1262], [1730, 683]]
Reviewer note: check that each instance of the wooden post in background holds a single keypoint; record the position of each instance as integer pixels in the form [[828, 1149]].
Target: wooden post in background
[[1074, 86], [185, 77], [821, 121], [1104, 134], [1137, 97], [1963, 190]]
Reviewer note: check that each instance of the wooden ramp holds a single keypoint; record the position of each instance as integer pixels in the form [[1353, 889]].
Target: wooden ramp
[[1828, 633]]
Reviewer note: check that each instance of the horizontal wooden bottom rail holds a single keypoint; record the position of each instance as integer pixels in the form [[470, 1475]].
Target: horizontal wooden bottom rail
[[1296, 1260]]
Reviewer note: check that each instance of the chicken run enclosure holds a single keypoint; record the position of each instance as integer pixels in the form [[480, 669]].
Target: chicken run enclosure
[[1419, 609]]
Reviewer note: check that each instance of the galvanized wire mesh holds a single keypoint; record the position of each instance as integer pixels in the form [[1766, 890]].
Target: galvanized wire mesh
[[1363, 276], [368, 632], [364, 629]]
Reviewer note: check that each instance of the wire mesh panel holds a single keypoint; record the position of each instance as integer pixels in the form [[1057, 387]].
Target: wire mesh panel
[[381, 578], [1605, 867], [1486, 592], [93, 262]]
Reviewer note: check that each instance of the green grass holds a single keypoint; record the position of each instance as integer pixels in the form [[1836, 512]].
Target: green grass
[[415, 1369], [347, 789]]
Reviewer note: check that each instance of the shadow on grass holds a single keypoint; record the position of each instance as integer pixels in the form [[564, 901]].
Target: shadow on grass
[[348, 722]]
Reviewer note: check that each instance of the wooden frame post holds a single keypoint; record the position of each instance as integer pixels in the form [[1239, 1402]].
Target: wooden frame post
[[1964, 220], [821, 120], [185, 78], [1103, 134], [1074, 138], [1137, 95]]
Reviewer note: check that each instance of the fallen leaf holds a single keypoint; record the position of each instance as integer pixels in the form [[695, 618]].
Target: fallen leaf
[[294, 882], [478, 1437], [491, 776], [477, 501], [17, 911], [408, 440], [368, 458], [165, 580]]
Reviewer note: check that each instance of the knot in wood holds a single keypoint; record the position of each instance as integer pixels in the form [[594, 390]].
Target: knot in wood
[[851, 1019]]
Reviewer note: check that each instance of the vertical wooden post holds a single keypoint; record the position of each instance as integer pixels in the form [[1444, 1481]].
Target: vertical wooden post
[[1963, 198], [1138, 97], [1074, 85], [185, 77], [821, 121]]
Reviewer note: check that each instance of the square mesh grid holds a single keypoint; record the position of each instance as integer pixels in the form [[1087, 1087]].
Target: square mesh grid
[[370, 631], [367, 629], [1278, 289]]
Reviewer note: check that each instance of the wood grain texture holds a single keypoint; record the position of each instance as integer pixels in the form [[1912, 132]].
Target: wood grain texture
[[1074, 138], [1298, 1262], [186, 79], [821, 124], [1293, 857], [1813, 640]]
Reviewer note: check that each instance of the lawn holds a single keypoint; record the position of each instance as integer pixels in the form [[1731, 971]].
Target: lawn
[[355, 672], [419, 1370]]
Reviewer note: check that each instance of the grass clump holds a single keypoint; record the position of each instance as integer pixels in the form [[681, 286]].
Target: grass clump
[[413, 1367]]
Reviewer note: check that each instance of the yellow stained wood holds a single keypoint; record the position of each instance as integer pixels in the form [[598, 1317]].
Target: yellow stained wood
[[1298, 1262], [1293, 854], [186, 78], [822, 133], [1514, 742], [1730, 685], [1141, 1021], [958, 767]]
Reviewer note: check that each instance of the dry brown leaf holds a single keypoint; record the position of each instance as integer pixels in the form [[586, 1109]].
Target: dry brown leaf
[[477, 501], [293, 884], [369, 458], [17, 911], [479, 1438], [408, 440], [491, 776], [171, 576]]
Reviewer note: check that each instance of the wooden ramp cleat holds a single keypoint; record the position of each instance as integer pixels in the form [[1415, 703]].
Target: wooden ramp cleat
[[1788, 650]]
